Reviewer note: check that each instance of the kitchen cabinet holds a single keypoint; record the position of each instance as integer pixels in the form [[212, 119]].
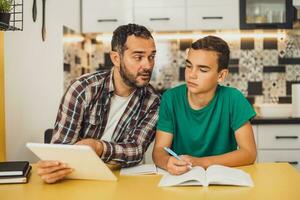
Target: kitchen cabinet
[[105, 16], [266, 14], [167, 15], [160, 15], [296, 3], [279, 143], [212, 14]]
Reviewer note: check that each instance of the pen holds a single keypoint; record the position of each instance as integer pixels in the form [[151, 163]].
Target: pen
[[175, 155]]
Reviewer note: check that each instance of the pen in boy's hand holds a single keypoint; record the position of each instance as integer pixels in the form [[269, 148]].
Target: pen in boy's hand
[[175, 155]]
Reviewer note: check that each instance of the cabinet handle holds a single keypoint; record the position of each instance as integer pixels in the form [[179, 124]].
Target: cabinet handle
[[107, 20], [290, 162], [286, 137], [216, 17], [160, 19]]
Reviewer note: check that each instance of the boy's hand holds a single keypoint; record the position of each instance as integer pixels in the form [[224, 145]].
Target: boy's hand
[[177, 167], [203, 161], [188, 159]]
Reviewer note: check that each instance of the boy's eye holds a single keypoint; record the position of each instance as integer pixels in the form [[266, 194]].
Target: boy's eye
[[204, 70], [188, 66]]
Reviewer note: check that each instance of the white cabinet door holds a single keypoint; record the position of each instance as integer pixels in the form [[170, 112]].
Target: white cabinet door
[[211, 15], [287, 156], [148, 154], [160, 15], [159, 3], [279, 137], [255, 128], [296, 3], [161, 19], [105, 15]]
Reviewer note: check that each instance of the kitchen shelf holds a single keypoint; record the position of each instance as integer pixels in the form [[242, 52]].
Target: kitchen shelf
[[16, 18]]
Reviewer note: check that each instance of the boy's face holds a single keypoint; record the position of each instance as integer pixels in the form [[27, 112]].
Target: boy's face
[[201, 73], [137, 61]]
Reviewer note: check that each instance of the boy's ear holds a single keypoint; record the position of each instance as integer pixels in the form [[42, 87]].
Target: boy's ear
[[115, 58], [222, 75]]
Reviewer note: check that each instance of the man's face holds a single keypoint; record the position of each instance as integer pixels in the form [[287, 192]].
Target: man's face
[[137, 61], [201, 73]]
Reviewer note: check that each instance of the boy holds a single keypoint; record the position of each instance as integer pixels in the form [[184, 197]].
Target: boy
[[201, 120]]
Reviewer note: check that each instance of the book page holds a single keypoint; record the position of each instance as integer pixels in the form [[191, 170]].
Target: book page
[[139, 170], [196, 176], [221, 175]]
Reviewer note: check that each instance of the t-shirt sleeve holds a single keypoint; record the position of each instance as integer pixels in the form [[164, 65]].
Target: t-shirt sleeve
[[241, 110], [165, 120]]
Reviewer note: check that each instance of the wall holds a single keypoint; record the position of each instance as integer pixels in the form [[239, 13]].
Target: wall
[[2, 119], [34, 75], [263, 65]]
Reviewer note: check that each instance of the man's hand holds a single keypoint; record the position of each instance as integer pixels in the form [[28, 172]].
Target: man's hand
[[177, 167], [52, 171], [95, 144]]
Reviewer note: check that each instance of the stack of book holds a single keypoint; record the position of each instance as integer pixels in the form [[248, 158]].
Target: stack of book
[[14, 172]]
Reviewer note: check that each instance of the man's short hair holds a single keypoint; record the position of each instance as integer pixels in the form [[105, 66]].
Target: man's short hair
[[213, 43], [122, 32]]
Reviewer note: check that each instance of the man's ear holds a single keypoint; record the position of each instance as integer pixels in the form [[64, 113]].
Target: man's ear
[[115, 58], [222, 75]]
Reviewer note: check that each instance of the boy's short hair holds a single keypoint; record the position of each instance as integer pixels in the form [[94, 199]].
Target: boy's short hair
[[122, 32], [213, 43]]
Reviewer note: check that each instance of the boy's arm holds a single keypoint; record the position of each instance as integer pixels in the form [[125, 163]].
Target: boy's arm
[[245, 155], [162, 159]]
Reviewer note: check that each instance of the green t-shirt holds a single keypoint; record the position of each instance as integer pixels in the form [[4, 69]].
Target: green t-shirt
[[207, 131]]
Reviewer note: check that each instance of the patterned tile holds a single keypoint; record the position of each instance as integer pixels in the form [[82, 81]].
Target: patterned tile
[[270, 57], [293, 72], [273, 62], [274, 85]]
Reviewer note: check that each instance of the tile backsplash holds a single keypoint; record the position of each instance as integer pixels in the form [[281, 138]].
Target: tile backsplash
[[262, 68]]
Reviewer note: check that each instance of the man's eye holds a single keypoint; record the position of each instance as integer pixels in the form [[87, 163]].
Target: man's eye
[[188, 66], [138, 58], [152, 57], [202, 70]]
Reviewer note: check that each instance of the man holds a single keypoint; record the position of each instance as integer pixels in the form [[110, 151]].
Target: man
[[114, 112], [201, 120]]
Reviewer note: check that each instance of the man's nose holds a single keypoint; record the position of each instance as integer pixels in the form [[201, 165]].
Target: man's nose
[[148, 64]]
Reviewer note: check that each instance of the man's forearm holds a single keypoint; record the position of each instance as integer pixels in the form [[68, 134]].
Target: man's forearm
[[235, 158]]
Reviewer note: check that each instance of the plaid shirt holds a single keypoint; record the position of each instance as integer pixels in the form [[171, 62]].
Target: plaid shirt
[[83, 113]]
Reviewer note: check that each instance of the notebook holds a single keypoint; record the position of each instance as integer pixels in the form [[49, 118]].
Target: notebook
[[16, 178], [214, 175], [13, 168], [82, 158], [146, 169]]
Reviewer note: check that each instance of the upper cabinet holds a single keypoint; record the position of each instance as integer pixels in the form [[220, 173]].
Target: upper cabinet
[[296, 3], [266, 14], [160, 15], [190, 15], [212, 14], [105, 15]]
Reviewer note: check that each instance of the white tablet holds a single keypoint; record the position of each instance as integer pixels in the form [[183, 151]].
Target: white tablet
[[82, 158]]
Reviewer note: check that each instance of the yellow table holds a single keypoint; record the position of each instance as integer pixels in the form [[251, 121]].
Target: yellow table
[[272, 181]]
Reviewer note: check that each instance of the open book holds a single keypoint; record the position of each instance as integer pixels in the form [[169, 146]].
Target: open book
[[214, 175], [145, 169]]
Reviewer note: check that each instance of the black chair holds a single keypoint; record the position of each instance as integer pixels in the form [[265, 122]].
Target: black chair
[[48, 135]]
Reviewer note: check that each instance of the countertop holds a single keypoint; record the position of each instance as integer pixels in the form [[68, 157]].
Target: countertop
[[289, 120]]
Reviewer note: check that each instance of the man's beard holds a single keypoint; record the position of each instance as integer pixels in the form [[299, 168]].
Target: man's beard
[[130, 80]]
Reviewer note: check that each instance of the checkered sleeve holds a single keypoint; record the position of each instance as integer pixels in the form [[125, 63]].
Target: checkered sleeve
[[130, 153], [70, 114]]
